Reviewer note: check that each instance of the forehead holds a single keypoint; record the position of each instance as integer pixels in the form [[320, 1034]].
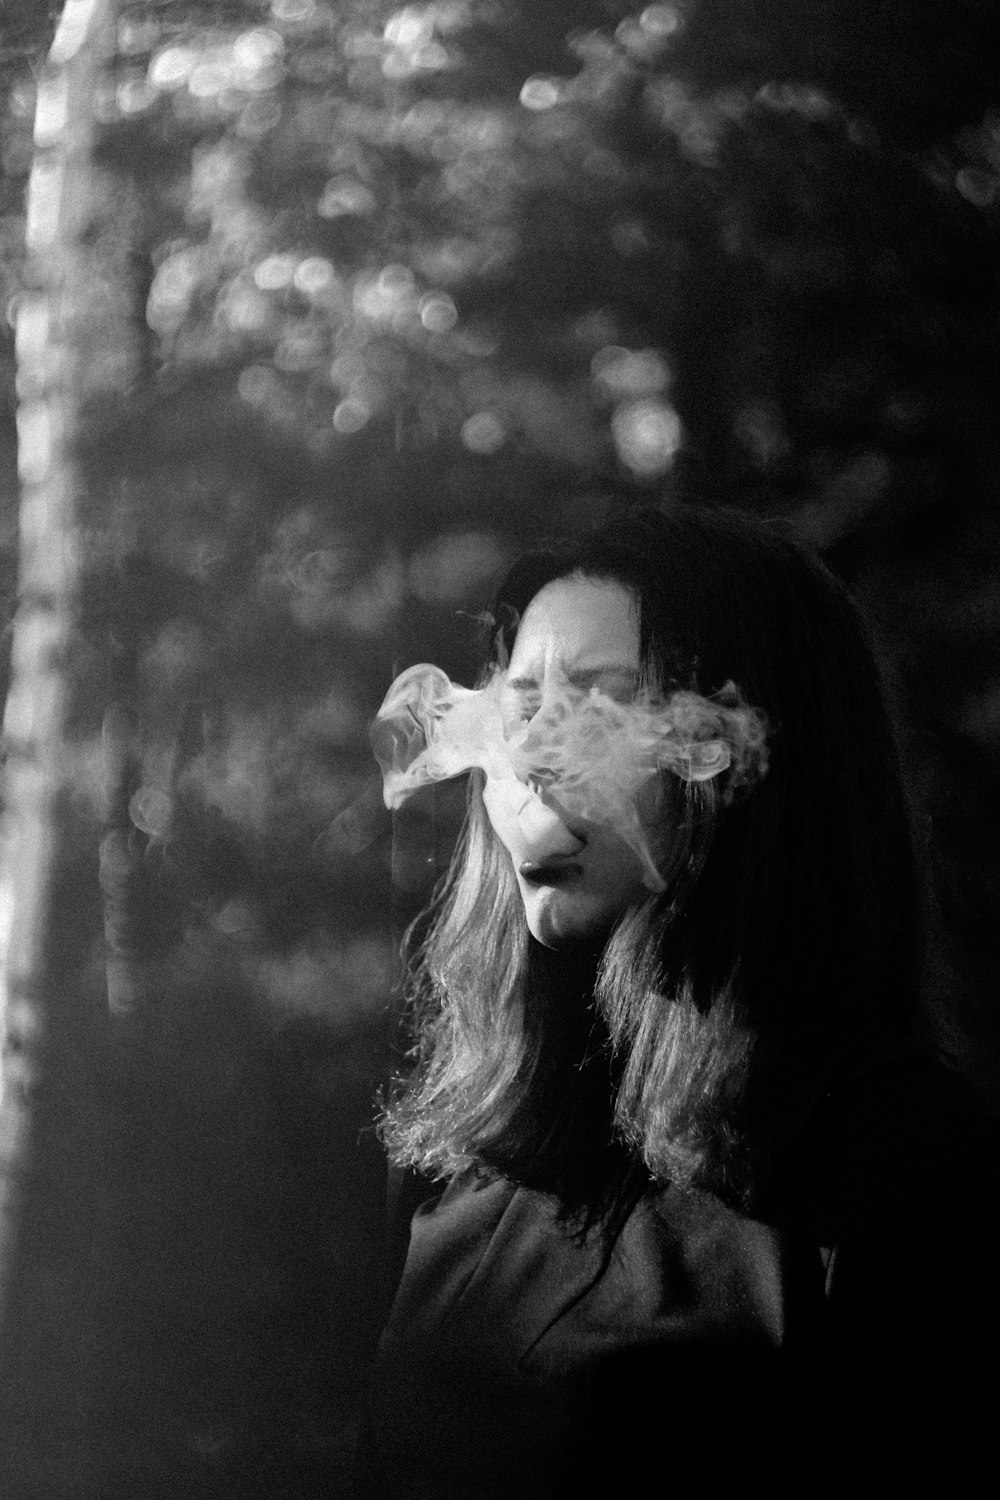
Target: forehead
[[579, 622]]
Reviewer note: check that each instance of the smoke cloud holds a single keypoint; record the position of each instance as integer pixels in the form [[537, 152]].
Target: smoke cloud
[[584, 753]]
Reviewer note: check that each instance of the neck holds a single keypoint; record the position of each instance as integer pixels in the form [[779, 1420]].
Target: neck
[[568, 973]]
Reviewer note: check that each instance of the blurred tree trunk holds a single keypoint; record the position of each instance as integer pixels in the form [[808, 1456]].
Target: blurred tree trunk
[[51, 1023]]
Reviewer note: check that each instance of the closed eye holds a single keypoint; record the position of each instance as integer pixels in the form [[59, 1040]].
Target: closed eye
[[526, 696], [620, 685], [609, 680]]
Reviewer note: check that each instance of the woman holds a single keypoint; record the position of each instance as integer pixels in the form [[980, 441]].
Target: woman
[[699, 1176]]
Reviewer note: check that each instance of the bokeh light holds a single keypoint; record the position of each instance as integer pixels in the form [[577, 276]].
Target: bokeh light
[[661, 20], [343, 197], [438, 313], [647, 435], [314, 276], [151, 810], [540, 92], [293, 12], [275, 273], [351, 415], [483, 433], [630, 372], [171, 68]]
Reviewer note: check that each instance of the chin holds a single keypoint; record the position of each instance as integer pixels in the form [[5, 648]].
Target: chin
[[555, 928], [556, 940]]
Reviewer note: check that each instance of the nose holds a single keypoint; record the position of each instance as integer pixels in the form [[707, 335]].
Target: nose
[[538, 778], [544, 829]]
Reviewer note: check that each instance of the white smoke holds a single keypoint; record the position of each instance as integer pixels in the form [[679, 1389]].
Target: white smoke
[[585, 753]]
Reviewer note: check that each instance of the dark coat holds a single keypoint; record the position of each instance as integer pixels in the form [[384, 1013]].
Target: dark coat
[[847, 1341]]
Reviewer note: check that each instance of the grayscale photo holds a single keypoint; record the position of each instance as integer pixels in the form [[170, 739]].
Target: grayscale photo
[[500, 752]]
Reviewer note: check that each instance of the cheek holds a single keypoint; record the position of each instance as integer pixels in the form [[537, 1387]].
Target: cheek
[[616, 869], [499, 804], [628, 849]]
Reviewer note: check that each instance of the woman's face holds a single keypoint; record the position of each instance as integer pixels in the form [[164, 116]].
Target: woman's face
[[576, 876]]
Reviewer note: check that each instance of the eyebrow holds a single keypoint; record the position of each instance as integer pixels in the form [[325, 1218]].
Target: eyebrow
[[581, 677]]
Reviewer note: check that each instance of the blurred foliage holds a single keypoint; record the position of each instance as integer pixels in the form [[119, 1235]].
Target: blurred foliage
[[415, 283], [391, 291]]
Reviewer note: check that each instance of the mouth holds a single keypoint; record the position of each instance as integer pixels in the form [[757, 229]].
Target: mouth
[[549, 872]]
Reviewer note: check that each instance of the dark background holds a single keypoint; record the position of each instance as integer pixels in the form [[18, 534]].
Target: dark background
[[361, 319]]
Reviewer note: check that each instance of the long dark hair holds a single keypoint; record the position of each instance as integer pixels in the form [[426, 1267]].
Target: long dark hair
[[785, 949]]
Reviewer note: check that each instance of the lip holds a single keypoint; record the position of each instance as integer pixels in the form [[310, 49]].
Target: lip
[[549, 871]]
